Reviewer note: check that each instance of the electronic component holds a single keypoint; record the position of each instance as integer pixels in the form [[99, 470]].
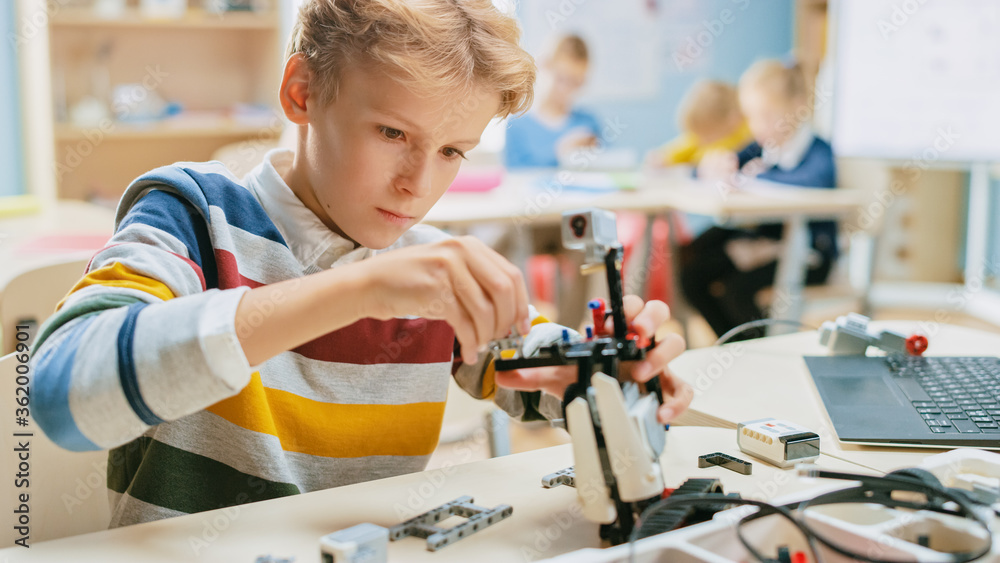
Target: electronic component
[[727, 461], [364, 543], [423, 526], [591, 230], [850, 335], [779, 442]]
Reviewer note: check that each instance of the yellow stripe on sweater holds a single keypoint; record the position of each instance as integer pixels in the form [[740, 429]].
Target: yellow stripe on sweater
[[331, 429], [120, 275]]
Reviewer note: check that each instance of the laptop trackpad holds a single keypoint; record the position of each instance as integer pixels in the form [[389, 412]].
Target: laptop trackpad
[[858, 391]]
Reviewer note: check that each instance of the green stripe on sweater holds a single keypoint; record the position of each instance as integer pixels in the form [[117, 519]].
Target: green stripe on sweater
[[165, 476], [95, 304]]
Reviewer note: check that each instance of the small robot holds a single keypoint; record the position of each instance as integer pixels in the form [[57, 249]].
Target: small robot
[[617, 440]]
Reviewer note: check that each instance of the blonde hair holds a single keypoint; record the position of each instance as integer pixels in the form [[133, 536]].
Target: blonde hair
[[430, 46], [779, 81], [707, 106], [572, 47]]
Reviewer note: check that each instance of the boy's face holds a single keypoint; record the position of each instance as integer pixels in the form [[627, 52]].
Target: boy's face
[[379, 156], [567, 76], [771, 122]]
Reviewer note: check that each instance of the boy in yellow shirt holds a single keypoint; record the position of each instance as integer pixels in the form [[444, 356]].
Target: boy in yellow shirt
[[709, 119]]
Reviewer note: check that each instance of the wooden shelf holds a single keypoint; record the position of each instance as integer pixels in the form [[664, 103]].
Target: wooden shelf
[[192, 19], [166, 130]]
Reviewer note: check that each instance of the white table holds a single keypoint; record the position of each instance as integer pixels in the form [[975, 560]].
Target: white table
[[545, 522]]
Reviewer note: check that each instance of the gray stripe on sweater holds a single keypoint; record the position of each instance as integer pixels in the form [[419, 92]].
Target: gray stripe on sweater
[[357, 384]]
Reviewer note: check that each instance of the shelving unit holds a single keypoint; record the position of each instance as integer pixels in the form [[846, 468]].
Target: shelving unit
[[207, 62]]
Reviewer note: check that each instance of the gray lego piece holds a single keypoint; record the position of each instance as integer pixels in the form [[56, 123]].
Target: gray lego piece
[[849, 335], [562, 477], [423, 526]]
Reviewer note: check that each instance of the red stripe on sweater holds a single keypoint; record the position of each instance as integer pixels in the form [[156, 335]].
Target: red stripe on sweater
[[395, 341], [229, 272]]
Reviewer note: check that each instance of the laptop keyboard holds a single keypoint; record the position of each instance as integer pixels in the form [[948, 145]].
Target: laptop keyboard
[[952, 395]]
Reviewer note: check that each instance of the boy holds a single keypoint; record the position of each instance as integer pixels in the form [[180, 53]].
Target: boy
[[725, 268], [313, 270], [554, 129], [710, 120]]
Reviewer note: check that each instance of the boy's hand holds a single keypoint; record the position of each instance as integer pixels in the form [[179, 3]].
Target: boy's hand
[[460, 280], [645, 319]]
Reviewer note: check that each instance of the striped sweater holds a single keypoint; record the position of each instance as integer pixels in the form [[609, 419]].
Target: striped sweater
[[142, 356]]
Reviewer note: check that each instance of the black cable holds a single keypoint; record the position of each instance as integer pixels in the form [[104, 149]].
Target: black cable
[[719, 498], [873, 490], [758, 323]]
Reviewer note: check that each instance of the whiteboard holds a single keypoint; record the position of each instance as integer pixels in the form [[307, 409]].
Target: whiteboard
[[917, 80], [622, 37]]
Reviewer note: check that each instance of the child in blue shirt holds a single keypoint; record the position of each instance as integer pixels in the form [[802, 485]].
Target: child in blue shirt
[[725, 268], [554, 129]]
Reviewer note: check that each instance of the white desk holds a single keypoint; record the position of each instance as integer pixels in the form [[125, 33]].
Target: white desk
[[768, 378], [545, 522]]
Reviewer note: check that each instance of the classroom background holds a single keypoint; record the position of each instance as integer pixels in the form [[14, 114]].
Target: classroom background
[[95, 92]]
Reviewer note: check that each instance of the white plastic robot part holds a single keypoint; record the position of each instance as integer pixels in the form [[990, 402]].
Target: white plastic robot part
[[632, 462], [545, 334], [590, 486], [364, 543]]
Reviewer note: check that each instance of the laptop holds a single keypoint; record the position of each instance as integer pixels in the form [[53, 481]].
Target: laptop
[[909, 400]]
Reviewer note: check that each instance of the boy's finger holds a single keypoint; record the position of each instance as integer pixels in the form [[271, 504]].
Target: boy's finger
[[552, 379], [631, 304], [465, 334], [677, 397], [477, 305], [653, 314], [657, 359], [502, 283]]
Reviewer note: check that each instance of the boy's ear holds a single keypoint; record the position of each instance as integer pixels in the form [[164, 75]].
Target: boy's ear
[[294, 92]]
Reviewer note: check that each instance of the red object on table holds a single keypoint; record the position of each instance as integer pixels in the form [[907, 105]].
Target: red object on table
[[916, 344]]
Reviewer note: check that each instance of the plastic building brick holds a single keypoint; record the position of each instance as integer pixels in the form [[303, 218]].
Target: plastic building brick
[[562, 477], [729, 462], [423, 526]]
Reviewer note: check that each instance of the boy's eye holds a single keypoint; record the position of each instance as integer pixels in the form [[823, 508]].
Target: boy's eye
[[451, 152], [390, 133]]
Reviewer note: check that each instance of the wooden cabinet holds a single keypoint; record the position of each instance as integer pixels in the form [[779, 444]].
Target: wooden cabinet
[[221, 69]]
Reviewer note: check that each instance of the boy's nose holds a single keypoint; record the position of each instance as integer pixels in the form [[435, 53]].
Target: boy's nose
[[415, 174]]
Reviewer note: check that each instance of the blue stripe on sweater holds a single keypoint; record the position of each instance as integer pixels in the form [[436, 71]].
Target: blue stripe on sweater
[[126, 367], [50, 395], [170, 213], [241, 208], [201, 190]]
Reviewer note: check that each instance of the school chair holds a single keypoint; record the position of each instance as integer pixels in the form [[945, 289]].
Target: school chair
[[31, 297], [66, 491]]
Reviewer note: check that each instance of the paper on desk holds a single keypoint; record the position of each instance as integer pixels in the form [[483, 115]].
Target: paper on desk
[[594, 182], [776, 190]]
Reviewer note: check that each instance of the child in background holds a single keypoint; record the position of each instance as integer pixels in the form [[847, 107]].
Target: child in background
[[710, 120], [295, 330], [725, 268], [554, 129]]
